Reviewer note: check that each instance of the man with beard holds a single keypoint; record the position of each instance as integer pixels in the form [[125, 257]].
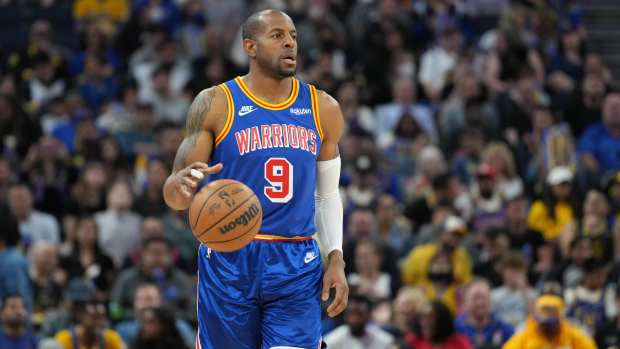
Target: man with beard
[[547, 328], [14, 333], [357, 333]]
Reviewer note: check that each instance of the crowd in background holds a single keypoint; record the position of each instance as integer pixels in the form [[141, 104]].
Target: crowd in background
[[481, 169]]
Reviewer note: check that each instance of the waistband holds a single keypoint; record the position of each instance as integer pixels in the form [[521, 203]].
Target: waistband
[[277, 238]]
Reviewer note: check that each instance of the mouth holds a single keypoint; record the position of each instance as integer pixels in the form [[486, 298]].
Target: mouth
[[289, 58]]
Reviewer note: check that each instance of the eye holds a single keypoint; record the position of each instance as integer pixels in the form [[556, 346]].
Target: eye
[[276, 35]]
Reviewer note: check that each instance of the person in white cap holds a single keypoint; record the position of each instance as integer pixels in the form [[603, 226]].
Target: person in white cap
[[553, 214]]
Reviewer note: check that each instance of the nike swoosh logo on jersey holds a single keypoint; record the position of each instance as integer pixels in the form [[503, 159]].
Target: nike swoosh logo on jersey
[[246, 109], [310, 256]]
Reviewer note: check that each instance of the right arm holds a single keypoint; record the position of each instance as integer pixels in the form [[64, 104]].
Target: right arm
[[205, 118]]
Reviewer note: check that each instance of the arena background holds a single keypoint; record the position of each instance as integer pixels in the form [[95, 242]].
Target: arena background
[[482, 144]]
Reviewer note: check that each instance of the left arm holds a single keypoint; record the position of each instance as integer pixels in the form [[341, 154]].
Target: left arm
[[329, 212]]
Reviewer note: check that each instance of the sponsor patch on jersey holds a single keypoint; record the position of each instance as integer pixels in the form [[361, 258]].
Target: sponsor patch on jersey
[[301, 111]]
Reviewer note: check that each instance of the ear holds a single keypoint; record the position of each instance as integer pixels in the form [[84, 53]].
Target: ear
[[249, 46]]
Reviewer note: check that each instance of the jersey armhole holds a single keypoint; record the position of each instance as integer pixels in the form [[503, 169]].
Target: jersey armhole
[[230, 115], [315, 111]]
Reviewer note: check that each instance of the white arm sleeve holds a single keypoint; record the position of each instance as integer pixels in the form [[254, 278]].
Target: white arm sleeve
[[328, 206]]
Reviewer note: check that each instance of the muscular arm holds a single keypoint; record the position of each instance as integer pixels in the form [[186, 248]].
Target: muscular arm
[[328, 204], [206, 116]]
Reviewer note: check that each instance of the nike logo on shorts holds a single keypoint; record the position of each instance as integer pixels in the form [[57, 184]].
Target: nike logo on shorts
[[310, 256]]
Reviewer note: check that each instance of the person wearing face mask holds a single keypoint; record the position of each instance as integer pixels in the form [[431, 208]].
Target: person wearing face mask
[[358, 332], [440, 267], [548, 328]]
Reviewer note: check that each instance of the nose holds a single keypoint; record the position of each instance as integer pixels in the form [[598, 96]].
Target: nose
[[289, 42]]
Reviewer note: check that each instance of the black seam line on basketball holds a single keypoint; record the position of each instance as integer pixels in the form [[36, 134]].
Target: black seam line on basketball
[[221, 219], [235, 238], [207, 200]]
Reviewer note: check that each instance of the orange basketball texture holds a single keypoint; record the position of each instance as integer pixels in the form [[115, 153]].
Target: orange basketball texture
[[225, 215]]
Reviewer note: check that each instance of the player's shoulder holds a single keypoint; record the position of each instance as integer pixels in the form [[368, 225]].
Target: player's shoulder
[[209, 109], [326, 101], [330, 114]]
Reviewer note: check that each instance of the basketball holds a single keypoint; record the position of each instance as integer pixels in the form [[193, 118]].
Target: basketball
[[225, 215]]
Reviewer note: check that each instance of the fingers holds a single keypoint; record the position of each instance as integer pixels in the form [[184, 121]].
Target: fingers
[[326, 286], [206, 169], [215, 168], [340, 301]]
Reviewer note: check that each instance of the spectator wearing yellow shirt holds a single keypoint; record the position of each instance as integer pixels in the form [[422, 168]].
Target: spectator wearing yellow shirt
[[90, 318], [548, 329], [441, 267], [554, 214], [115, 10]]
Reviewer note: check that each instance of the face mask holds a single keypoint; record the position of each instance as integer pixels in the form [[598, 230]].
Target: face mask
[[441, 277]]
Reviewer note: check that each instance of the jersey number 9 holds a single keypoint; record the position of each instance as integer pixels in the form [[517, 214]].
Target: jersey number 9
[[279, 174]]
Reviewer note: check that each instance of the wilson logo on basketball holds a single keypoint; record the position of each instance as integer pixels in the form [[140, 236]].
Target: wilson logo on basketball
[[245, 218]]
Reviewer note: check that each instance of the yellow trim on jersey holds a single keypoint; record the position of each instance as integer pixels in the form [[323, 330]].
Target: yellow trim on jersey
[[315, 111], [267, 237], [229, 117], [273, 106]]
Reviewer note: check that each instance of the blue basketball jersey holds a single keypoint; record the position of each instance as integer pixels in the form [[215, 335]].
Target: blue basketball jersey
[[273, 149]]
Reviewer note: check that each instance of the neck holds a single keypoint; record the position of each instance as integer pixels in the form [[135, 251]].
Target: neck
[[87, 335], [270, 89], [14, 331], [370, 274]]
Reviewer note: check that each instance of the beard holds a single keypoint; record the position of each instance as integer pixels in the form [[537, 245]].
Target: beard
[[275, 67]]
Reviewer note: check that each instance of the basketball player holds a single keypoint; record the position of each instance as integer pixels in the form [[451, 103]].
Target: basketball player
[[280, 137]]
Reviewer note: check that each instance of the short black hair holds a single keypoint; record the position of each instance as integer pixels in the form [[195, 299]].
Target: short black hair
[[361, 299], [254, 23]]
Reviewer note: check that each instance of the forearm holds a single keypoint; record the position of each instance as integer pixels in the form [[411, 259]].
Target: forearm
[[328, 205]]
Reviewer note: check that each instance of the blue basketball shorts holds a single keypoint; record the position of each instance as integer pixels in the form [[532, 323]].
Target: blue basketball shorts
[[263, 296]]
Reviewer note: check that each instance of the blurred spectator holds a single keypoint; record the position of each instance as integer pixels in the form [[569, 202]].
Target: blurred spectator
[[478, 322], [17, 129], [168, 139], [445, 190], [94, 42], [466, 157], [46, 278], [595, 224], [554, 215], [393, 230], [138, 138], [430, 164], [151, 201], [522, 238], [599, 144], [436, 63], [176, 228], [45, 83], [362, 226], [158, 330], [505, 61], [33, 225], [515, 106], [485, 195], [96, 84], [491, 245], [175, 286], [87, 260], [113, 11], [569, 272], [409, 303], [13, 264], [587, 104], [436, 330], [357, 332], [7, 177], [90, 328], [500, 158], [167, 59], [368, 280], [547, 327], [168, 104], [441, 267], [88, 194], [403, 105], [608, 334], [146, 299], [590, 304], [566, 67], [120, 115], [512, 301], [119, 228], [15, 333]]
